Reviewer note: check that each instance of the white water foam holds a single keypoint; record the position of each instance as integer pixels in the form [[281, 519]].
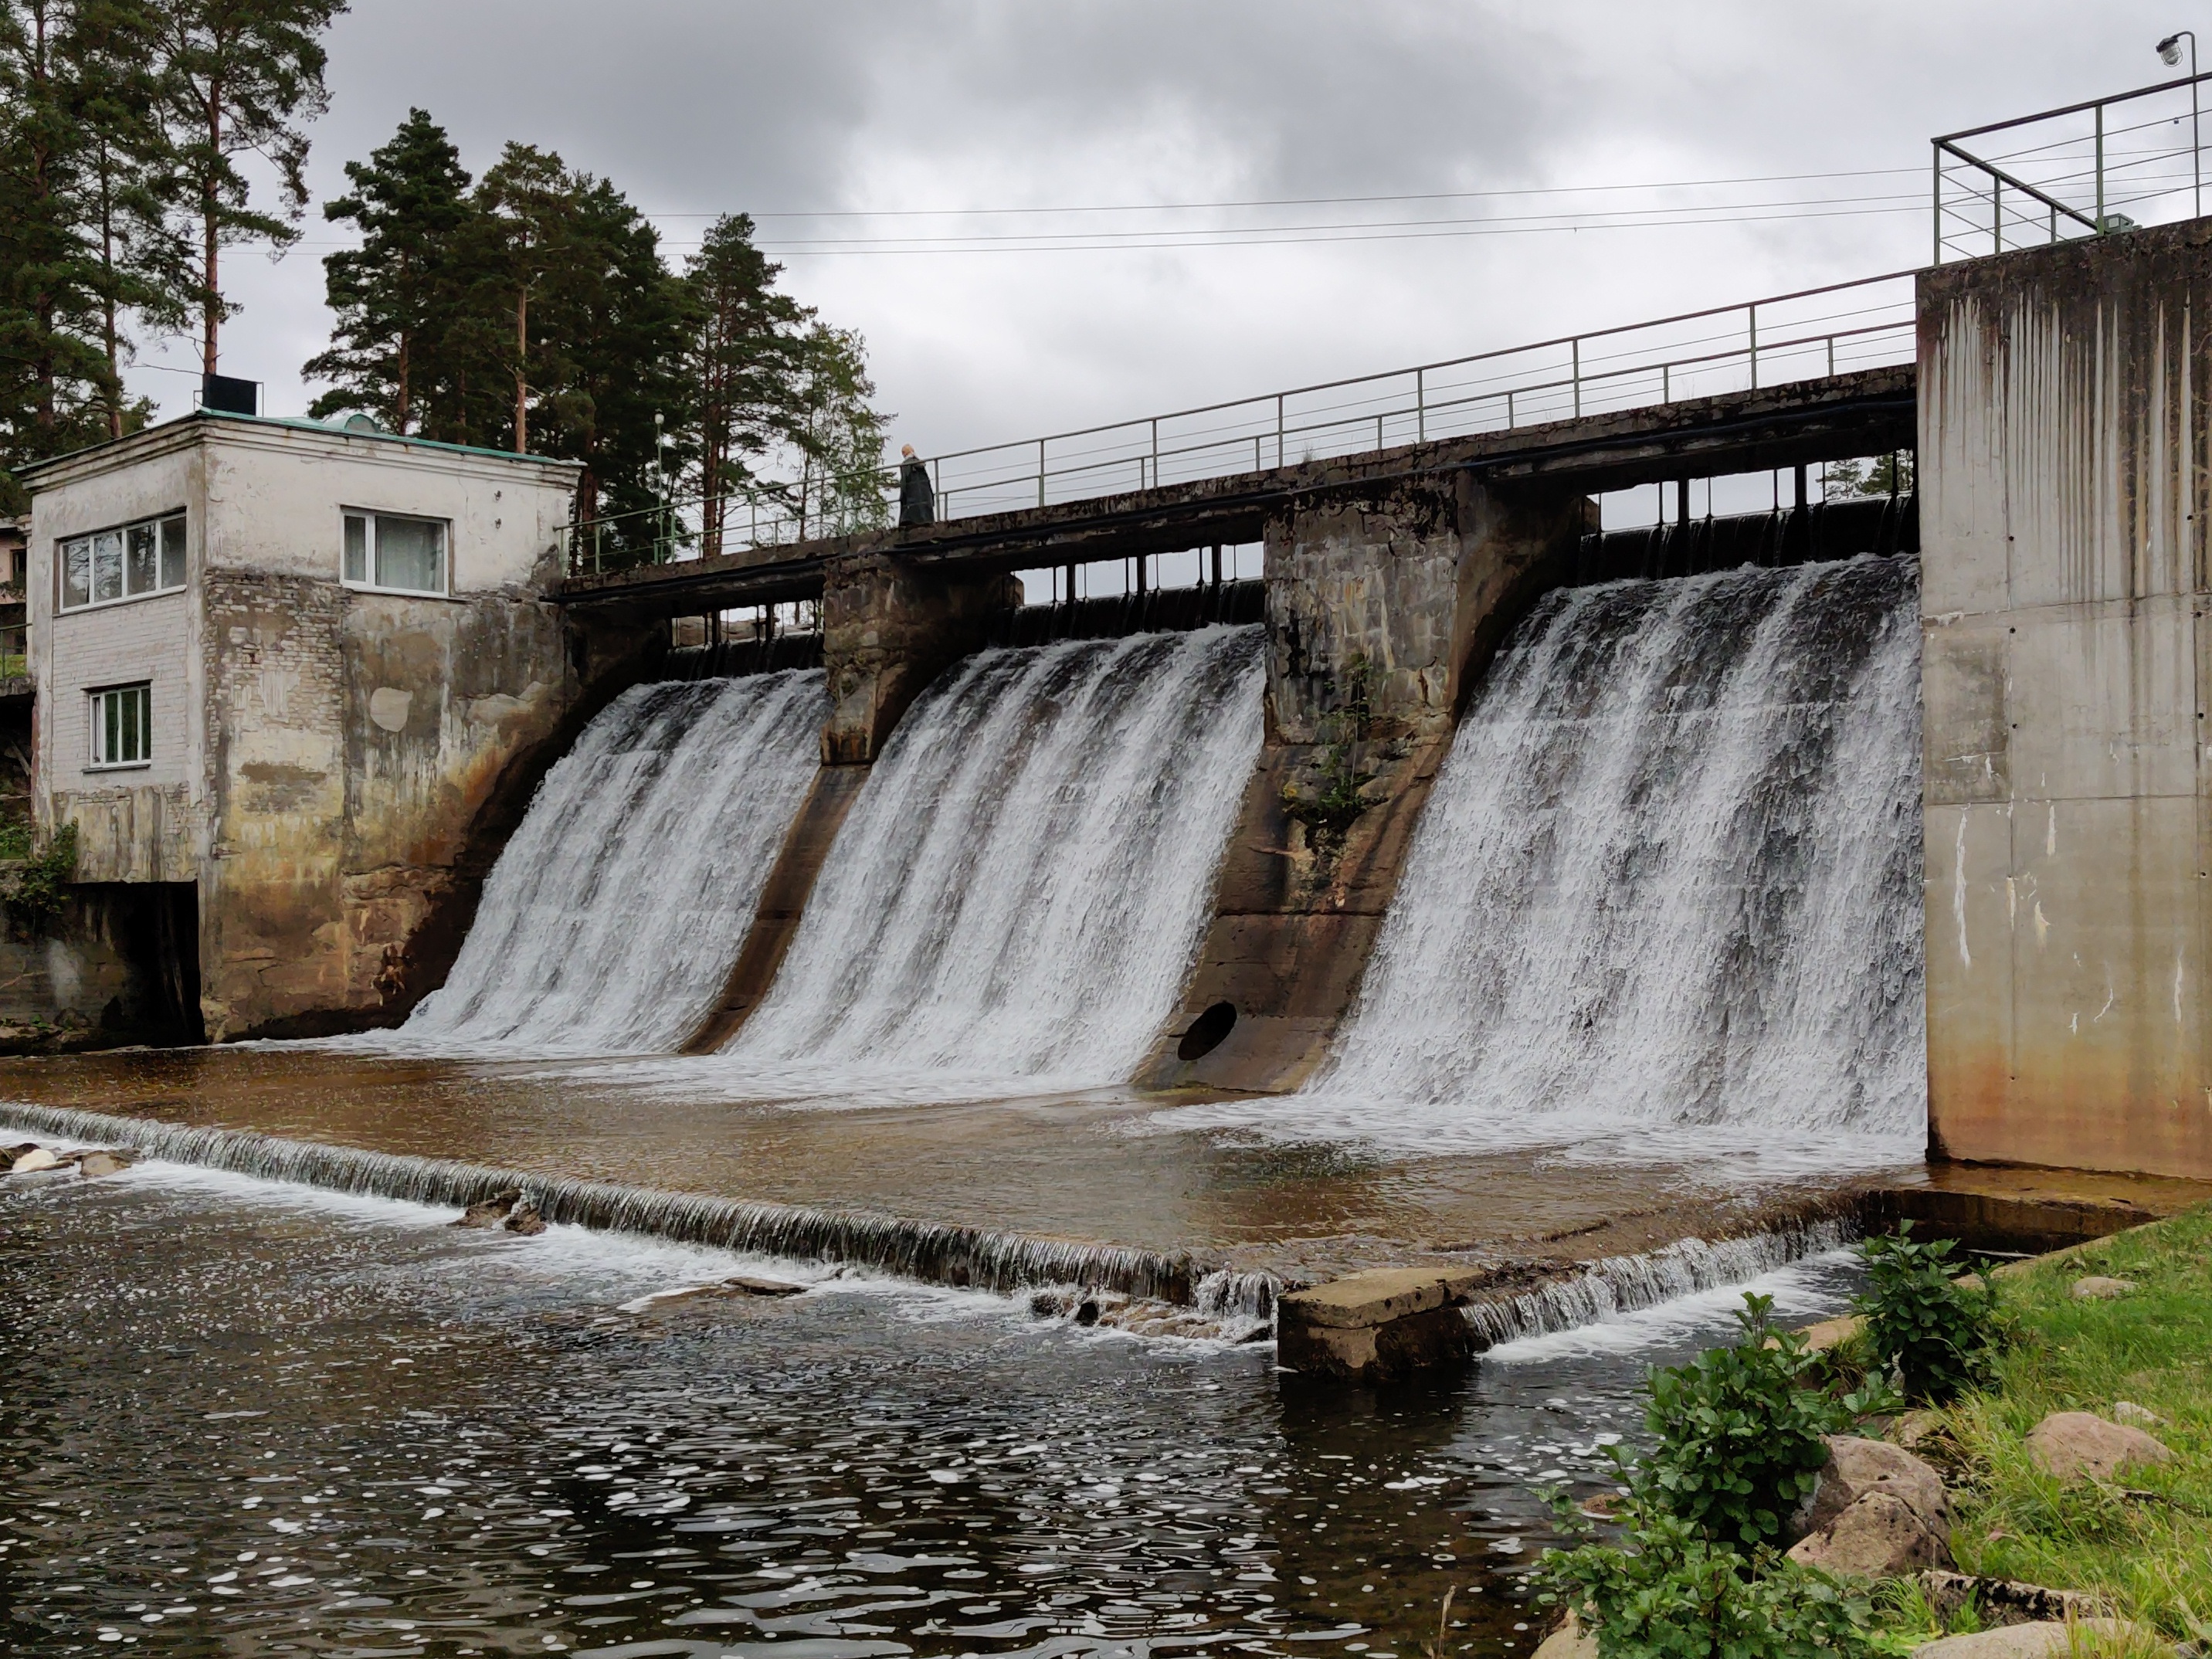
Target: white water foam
[[1016, 898], [1665, 899], [611, 920], [1813, 1288]]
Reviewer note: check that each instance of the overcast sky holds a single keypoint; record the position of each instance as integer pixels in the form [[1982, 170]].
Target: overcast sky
[[825, 118]]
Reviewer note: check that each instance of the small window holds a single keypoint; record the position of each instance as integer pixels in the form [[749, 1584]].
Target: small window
[[123, 725], [405, 555], [123, 563]]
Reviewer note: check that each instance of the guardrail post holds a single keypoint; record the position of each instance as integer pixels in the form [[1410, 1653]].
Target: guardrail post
[[1155, 451], [1420, 406], [1508, 409], [1278, 428], [1937, 150], [1751, 311], [1666, 383], [1575, 348], [1040, 472], [2101, 169], [1996, 216]]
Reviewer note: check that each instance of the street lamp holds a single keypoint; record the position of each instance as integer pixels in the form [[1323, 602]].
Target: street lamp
[[2169, 53]]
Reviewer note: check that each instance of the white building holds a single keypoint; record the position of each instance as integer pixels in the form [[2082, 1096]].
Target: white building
[[289, 663]]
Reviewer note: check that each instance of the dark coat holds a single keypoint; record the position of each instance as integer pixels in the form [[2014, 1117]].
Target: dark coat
[[917, 501]]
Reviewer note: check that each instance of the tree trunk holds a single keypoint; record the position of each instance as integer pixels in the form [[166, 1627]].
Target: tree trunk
[[112, 392], [402, 404], [210, 223], [521, 372]]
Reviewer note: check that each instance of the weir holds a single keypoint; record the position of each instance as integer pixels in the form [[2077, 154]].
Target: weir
[[1666, 878], [1016, 892], [612, 917]]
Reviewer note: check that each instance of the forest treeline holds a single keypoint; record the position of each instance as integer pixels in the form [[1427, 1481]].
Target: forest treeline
[[530, 309]]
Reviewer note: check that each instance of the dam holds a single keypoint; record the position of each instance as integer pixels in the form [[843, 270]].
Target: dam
[[934, 998]]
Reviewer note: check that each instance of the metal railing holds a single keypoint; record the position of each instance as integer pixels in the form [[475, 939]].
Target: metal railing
[[2087, 169], [1807, 334]]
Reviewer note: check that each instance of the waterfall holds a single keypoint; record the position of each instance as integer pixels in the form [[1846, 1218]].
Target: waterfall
[[1019, 892], [925, 1252], [612, 917], [1627, 1284], [1666, 889]]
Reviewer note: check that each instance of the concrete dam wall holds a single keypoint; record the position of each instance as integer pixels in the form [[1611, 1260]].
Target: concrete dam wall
[[1672, 833]]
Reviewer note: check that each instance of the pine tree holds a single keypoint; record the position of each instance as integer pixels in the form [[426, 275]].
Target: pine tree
[[54, 381], [745, 368], [233, 76], [400, 294], [840, 437]]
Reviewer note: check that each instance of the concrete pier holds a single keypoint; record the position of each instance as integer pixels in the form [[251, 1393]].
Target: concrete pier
[[2064, 424]]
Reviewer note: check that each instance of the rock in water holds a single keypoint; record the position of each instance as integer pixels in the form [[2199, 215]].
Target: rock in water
[[2097, 1288], [526, 1221], [94, 1164], [745, 1285], [1877, 1536], [1570, 1641], [1857, 1466], [2070, 1444], [490, 1212], [37, 1158]]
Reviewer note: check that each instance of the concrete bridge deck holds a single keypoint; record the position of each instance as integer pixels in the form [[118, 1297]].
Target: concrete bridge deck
[[1801, 422]]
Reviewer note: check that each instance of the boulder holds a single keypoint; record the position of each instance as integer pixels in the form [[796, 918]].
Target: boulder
[[1878, 1537], [2006, 1600], [526, 1220], [2126, 1411], [490, 1212], [2048, 1640], [1856, 1468], [93, 1165], [37, 1158], [2097, 1288], [2070, 1445]]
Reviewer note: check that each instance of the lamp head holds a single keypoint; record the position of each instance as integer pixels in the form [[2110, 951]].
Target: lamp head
[[2169, 50]]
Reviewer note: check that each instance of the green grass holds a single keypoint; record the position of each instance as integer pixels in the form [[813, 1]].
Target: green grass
[[2145, 1541]]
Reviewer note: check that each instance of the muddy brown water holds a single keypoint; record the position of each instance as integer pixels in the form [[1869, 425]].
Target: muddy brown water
[[1096, 1167]]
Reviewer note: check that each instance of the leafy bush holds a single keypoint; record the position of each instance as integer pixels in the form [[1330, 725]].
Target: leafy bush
[[1742, 1433], [1679, 1595], [40, 887], [1941, 1335]]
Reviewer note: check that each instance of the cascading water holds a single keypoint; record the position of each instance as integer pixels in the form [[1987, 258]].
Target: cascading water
[[1016, 898], [1667, 884], [1627, 1284], [611, 918], [924, 1251]]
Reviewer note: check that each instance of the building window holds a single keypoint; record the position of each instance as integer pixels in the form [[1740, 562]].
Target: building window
[[123, 563], [401, 555], [123, 725]]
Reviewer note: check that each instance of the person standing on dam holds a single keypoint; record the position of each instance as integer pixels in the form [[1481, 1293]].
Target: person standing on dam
[[917, 501]]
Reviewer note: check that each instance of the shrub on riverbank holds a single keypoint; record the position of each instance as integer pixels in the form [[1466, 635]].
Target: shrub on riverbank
[[1697, 1571]]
